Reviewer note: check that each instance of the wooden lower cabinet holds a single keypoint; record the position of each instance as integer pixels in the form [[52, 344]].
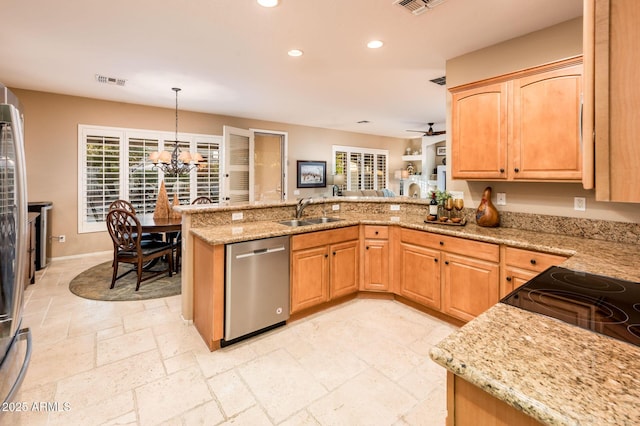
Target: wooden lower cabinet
[[420, 274], [520, 265], [376, 259], [309, 275], [469, 286], [324, 265], [344, 272], [468, 405]]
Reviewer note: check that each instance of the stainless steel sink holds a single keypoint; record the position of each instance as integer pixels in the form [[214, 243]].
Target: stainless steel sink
[[323, 220], [295, 222]]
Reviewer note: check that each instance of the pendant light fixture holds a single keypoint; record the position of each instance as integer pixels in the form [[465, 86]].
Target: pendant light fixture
[[177, 162]]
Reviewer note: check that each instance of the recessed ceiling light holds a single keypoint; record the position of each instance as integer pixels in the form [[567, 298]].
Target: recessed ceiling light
[[268, 3], [295, 52], [374, 44]]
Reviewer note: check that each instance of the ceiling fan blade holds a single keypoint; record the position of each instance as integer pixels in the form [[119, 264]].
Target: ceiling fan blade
[[419, 131]]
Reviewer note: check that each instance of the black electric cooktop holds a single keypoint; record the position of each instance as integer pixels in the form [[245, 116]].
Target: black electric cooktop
[[605, 305]]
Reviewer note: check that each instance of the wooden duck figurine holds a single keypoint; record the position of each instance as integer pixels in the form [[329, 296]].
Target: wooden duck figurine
[[487, 214]]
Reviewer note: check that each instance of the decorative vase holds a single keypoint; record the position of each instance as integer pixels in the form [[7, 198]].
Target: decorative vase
[[162, 204], [176, 202], [487, 214]]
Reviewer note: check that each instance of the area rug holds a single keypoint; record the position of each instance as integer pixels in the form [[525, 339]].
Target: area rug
[[94, 284]]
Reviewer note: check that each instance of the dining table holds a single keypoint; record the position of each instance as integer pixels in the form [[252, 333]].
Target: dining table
[[170, 227]]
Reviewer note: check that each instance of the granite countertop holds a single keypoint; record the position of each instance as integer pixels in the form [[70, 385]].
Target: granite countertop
[[557, 373]]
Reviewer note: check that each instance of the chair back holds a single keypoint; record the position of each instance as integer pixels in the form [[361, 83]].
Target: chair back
[[202, 200], [122, 204], [125, 230]]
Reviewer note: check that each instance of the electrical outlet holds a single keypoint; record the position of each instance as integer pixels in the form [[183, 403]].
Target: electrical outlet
[[335, 207], [296, 192], [580, 204], [501, 199], [395, 207], [237, 216], [62, 239]]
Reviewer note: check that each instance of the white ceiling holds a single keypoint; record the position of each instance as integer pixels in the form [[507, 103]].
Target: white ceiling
[[229, 56]]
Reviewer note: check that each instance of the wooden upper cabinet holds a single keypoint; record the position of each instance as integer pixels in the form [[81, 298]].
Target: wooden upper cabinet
[[479, 123], [546, 126], [612, 96], [521, 126]]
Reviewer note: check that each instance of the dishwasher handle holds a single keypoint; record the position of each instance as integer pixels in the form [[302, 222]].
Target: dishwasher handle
[[261, 251]]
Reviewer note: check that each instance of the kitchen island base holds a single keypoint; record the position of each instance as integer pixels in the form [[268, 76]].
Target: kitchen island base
[[469, 405]]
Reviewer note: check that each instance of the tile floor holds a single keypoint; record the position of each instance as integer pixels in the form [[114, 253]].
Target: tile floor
[[364, 362]]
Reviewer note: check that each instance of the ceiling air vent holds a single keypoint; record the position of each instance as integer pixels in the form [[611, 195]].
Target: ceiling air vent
[[418, 7], [441, 81], [110, 80]]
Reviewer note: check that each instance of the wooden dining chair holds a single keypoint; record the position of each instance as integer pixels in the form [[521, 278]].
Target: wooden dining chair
[[126, 233], [125, 205], [202, 200]]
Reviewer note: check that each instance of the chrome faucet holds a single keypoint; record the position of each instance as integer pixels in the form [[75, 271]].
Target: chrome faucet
[[302, 203]]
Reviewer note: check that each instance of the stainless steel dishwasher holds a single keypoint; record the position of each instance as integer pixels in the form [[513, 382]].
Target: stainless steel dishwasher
[[256, 287]]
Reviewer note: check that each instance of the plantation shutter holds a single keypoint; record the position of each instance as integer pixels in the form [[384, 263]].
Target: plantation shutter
[[208, 175], [143, 178], [101, 183]]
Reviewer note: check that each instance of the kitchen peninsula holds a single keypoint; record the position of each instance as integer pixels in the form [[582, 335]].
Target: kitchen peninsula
[[527, 360]]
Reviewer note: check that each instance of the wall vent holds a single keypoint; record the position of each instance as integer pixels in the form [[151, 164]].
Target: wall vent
[[110, 80], [417, 7], [442, 81]]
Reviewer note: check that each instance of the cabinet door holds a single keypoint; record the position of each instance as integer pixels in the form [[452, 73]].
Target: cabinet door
[[546, 125], [344, 269], [613, 35], [376, 265], [479, 132], [420, 274], [514, 278], [470, 286], [309, 278]]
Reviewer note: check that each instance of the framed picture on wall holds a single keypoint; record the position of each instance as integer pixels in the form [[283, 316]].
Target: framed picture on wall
[[441, 150], [312, 174]]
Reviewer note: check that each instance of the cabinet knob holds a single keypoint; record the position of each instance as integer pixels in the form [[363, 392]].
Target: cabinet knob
[[367, 247], [516, 170], [501, 170], [509, 279], [446, 262], [326, 255], [334, 253], [435, 260], [441, 243], [533, 261], [376, 232]]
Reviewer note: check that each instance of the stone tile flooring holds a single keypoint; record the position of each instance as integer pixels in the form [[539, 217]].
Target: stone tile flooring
[[364, 362]]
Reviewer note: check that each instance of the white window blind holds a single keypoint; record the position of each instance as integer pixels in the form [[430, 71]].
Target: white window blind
[[143, 178], [208, 176], [101, 177], [113, 165], [363, 168]]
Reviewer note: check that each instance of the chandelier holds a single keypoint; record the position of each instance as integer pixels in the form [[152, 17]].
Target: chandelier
[[176, 162]]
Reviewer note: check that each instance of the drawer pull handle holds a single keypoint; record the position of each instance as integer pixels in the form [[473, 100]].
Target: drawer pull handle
[[441, 243], [533, 261], [376, 232]]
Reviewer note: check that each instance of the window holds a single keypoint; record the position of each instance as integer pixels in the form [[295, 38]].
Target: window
[[113, 164], [363, 168]]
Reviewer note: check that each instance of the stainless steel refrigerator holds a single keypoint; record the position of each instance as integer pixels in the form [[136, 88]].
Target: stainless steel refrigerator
[[15, 341]]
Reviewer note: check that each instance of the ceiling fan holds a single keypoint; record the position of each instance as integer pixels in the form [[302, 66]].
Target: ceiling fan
[[429, 132]]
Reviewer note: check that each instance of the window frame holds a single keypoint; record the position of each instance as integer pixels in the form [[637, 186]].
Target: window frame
[[124, 135], [361, 175]]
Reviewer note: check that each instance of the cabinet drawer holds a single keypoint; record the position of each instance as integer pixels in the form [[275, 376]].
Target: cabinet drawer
[[475, 249], [376, 232], [323, 238], [531, 260]]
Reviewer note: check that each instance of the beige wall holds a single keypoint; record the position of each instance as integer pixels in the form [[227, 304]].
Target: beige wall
[[554, 43], [51, 139]]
